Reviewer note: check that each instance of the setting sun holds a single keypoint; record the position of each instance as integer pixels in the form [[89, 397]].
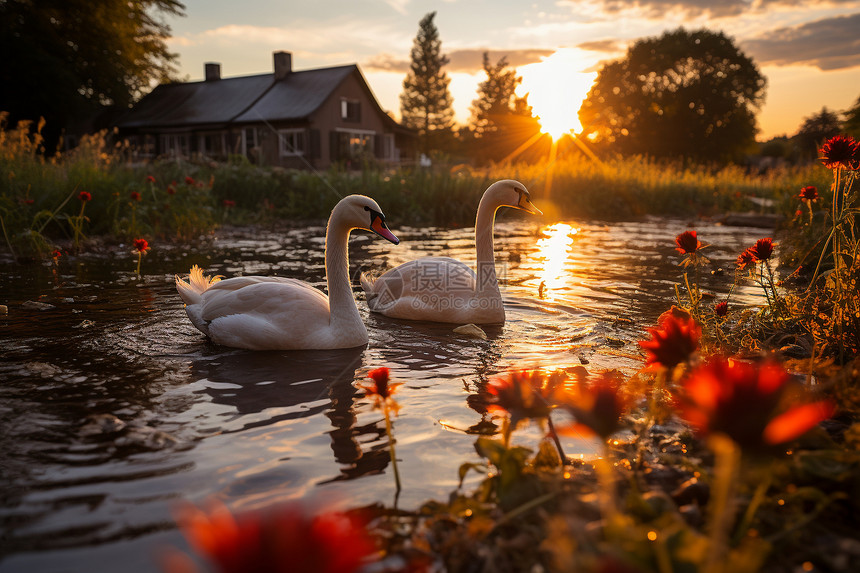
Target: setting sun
[[556, 87]]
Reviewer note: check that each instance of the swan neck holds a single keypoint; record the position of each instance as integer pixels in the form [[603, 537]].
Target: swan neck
[[341, 302], [486, 258]]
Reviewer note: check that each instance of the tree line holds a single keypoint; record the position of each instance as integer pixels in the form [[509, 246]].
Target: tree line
[[689, 94], [685, 94]]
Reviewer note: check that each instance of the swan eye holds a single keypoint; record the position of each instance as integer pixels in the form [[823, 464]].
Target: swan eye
[[366, 208]]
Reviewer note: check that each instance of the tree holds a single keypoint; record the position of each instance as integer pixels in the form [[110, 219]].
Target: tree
[[814, 131], [75, 57], [851, 125], [425, 104], [683, 94], [501, 121]]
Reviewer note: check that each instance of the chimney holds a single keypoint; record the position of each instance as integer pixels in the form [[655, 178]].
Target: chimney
[[283, 64], [213, 71]]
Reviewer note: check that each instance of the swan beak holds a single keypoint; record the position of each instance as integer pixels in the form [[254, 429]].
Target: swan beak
[[380, 228], [526, 205]]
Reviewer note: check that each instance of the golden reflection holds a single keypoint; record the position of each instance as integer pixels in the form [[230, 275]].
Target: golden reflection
[[554, 248]]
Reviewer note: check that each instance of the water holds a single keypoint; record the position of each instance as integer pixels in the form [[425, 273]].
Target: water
[[113, 407]]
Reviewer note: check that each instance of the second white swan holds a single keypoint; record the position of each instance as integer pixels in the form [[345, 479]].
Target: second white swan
[[443, 289]]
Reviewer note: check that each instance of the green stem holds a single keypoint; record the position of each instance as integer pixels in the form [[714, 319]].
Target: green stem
[[721, 506], [8, 242], [606, 489], [391, 446], [555, 439], [755, 502]]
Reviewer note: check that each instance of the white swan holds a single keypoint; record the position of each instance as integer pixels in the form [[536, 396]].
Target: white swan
[[442, 289], [275, 313]]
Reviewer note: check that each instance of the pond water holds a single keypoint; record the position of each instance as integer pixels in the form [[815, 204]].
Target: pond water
[[113, 407]]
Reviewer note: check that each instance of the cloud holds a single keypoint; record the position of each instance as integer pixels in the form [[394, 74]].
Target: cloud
[[386, 63], [828, 44], [468, 61], [472, 60], [694, 8], [659, 8]]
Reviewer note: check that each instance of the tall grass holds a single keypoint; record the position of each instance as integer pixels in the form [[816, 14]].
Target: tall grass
[[37, 192]]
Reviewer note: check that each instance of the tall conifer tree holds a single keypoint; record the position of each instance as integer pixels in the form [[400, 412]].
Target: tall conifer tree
[[425, 104]]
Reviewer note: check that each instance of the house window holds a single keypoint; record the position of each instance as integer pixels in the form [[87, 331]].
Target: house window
[[355, 144], [292, 142], [213, 144], [175, 145], [389, 152], [350, 110], [249, 140]]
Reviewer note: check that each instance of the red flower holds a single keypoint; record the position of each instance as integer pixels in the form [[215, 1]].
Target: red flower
[[840, 150], [721, 309], [381, 389], [762, 250], [171, 190], [808, 193], [748, 403], [597, 407], [687, 243], [135, 196], [150, 178], [673, 342], [189, 180], [141, 245], [524, 394], [56, 255], [284, 539], [228, 203], [745, 259], [84, 196], [27, 201]]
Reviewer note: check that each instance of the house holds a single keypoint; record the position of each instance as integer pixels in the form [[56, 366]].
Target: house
[[297, 119]]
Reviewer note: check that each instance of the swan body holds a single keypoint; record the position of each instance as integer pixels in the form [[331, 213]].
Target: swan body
[[275, 313], [443, 289]]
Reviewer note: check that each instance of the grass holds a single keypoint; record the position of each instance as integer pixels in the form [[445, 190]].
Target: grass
[[38, 193]]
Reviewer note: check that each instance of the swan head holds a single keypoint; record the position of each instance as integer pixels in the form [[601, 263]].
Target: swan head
[[360, 212], [510, 193]]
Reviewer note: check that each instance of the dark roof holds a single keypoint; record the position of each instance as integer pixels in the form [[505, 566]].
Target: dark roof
[[297, 96], [242, 99]]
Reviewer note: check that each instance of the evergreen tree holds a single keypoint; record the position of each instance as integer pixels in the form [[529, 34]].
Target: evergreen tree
[[851, 125], [815, 130], [425, 104], [501, 121]]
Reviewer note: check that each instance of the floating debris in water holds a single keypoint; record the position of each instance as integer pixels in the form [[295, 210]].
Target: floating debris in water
[[4, 309], [84, 324], [98, 424], [35, 305], [471, 330]]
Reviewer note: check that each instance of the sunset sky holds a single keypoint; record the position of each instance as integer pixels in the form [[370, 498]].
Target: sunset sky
[[809, 50]]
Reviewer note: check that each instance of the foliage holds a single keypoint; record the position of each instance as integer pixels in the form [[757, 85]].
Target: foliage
[[182, 200], [73, 57], [814, 130], [425, 104], [501, 121], [851, 124], [683, 94]]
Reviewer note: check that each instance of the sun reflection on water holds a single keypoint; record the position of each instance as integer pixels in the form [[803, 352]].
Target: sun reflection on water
[[554, 248]]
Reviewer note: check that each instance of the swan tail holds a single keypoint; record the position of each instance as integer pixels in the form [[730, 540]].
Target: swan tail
[[367, 286], [197, 283]]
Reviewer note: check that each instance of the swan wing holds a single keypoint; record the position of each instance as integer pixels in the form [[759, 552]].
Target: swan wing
[[278, 300], [427, 275]]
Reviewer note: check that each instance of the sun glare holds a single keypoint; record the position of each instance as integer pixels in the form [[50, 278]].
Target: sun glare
[[554, 248], [556, 87]]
